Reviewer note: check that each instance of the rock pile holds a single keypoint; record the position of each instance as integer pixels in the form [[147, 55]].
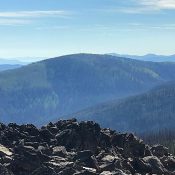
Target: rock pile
[[71, 148]]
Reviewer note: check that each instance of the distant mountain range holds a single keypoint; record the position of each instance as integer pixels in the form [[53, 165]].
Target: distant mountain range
[[17, 61], [42, 91], [12, 61], [4, 67], [152, 111], [148, 57]]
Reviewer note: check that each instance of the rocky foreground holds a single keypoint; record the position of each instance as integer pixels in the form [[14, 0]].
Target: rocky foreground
[[71, 148]]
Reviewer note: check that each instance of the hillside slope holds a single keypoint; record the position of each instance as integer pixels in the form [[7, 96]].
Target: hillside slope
[[148, 112], [63, 85]]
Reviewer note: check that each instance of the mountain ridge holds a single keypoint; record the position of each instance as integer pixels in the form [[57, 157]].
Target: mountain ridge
[[148, 57], [63, 85]]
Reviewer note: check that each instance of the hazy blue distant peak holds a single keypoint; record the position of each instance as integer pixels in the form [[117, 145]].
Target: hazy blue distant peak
[[20, 60], [4, 67], [151, 55], [9, 61], [148, 57]]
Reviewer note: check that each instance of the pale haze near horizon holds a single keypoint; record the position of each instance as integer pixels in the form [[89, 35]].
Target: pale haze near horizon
[[45, 29]]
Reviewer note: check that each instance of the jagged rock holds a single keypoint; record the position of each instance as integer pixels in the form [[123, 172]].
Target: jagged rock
[[67, 171], [60, 165], [43, 170], [5, 171], [169, 163], [4, 151], [109, 159], [45, 149], [107, 167], [159, 150], [59, 151], [2, 126], [155, 164], [71, 148], [116, 172], [87, 159], [85, 172], [26, 160], [46, 134], [141, 166]]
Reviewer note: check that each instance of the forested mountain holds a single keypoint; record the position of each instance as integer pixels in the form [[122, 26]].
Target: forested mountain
[[59, 86], [145, 113]]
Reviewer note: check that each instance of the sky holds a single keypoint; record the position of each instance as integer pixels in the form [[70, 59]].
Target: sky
[[49, 28]]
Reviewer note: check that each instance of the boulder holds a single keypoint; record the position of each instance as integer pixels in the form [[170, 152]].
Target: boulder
[[5, 171], [155, 165], [4, 151], [68, 147], [59, 151], [159, 151]]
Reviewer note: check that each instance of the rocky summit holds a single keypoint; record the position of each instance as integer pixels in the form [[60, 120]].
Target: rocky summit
[[68, 147]]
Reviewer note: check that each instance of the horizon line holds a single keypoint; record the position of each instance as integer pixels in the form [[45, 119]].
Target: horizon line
[[17, 58]]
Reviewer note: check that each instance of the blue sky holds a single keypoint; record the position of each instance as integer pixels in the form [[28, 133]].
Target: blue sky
[[48, 28]]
